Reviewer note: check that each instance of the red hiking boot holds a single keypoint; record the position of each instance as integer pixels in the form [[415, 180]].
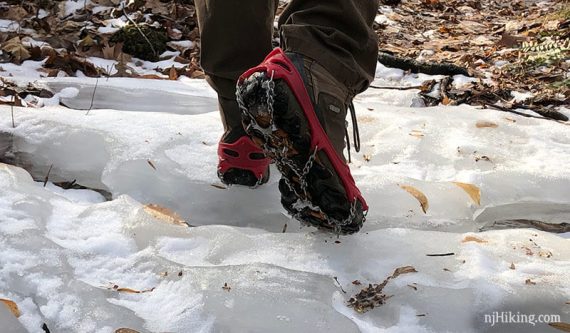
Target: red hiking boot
[[295, 111], [242, 163]]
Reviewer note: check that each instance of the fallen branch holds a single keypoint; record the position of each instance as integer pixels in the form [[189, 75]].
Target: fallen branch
[[505, 109], [396, 88], [441, 254], [47, 175], [415, 66], [556, 228]]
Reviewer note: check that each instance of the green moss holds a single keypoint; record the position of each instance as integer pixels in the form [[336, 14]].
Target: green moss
[[135, 44]]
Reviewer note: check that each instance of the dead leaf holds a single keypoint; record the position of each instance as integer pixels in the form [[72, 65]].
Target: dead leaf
[[510, 41], [484, 124], [422, 199], [226, 287], [373, 295], [356, 282], [172, 74], [530, 282], [13, 307], [132, 291], [417, 133], [15, 48], [125, 330], [403, 270], [473, 191], [528, 251], [564, 327], [468, 239], [164, 214], [512, 266]]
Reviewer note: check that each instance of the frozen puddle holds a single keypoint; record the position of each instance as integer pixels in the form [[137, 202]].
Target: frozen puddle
[[78, 262]]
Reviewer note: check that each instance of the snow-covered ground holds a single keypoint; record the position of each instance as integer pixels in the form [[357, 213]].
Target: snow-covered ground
[[79, 263]]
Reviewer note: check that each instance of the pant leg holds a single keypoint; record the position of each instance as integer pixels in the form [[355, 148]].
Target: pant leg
[[235, 36], [337, 34]]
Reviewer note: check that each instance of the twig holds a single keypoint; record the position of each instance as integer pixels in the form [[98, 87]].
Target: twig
[[440, 254], [505, 109], [284, 228], [415, 66], [47, 176], [396, 88], [92, 97], [336, 279], [12, 111], [141, 32]]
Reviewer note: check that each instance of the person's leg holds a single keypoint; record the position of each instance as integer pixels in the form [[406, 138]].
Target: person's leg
[[337, 34], [235, 35], [296, 103]]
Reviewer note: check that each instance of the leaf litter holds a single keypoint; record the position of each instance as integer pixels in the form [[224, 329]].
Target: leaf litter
[[373, 296]]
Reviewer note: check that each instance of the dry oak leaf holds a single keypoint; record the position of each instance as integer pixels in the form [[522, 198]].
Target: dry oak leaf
[[473, 191], [422, 199], [13, 307], [164, 214], [468, 239], [18, 52], [125, 330], [564, 327], [484, 124]]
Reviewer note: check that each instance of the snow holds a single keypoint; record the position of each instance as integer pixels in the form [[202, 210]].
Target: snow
[[66, 254], [9, 25]]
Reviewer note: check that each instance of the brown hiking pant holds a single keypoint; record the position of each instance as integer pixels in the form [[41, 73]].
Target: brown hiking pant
[[237, 35]]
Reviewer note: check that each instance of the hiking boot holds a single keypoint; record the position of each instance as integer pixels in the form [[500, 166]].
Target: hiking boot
[[295, 111], [241, 162]]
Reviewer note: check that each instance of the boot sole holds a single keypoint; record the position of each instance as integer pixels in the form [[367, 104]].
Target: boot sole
[[284, 137]]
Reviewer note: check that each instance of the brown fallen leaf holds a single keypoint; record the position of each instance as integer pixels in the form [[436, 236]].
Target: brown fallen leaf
[[226, 287], [473, 191], [133, 291], [172, 74], [416, 133], [422, 199], [358, 283], [530, 282], [512, 266], [164, 214], [12, 306], [125, 330], [373, 295], [468, 239], [484, 124], [564, 327], [403, 270], [15, 48]]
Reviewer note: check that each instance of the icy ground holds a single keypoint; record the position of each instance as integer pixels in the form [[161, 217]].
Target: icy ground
[[74, 260]]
